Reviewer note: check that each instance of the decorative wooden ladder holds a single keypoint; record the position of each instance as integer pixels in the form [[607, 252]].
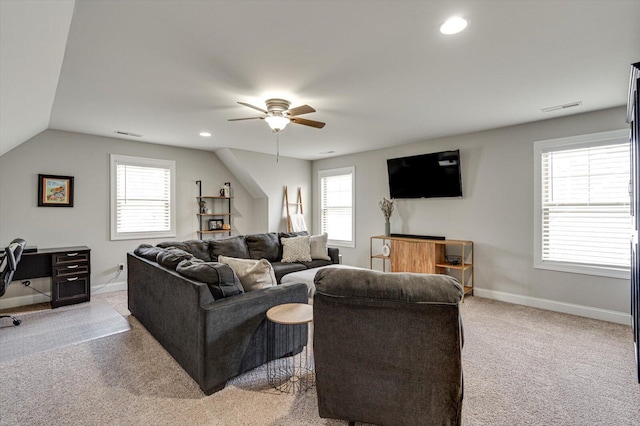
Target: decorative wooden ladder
[[298, 205]]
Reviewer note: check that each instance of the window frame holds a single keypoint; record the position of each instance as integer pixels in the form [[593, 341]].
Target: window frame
[[568, 143], [349, 170], [116, 159]]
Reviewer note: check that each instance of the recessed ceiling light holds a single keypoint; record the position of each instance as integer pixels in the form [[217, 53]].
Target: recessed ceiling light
[[205, 134], [453, 25]]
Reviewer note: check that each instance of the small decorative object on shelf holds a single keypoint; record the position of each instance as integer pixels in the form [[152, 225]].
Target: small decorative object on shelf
[[454, 260], [203, 206], [215, 224], [387, 209]]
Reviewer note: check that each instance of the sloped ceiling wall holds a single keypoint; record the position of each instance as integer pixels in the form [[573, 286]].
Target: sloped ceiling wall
[[33, 37]]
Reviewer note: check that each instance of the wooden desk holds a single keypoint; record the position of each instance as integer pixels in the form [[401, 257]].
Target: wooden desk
[[68, 267]]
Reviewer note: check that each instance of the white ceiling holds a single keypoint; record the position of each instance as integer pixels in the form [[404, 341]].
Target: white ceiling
[[378, 72]]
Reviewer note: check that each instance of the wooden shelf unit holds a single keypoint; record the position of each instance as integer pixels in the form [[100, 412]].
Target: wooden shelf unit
[[425, 257], [203, 217]]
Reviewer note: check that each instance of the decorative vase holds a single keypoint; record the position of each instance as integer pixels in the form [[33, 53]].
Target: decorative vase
[[387, 228]]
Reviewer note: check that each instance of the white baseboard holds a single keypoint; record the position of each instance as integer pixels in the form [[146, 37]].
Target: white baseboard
[[552, 305], [101, 288], [30, 299]]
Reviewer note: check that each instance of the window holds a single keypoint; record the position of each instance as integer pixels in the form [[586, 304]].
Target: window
[[142, 198], [582, 222], [337, 205]]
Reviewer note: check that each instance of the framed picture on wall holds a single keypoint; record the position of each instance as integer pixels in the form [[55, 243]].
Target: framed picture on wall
[[55, 191]]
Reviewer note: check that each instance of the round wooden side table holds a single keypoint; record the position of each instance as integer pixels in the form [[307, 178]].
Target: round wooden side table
[[293, 372]]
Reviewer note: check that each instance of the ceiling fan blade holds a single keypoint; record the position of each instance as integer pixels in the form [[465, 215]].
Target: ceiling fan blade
[[254, 107], [302, 109], [248, 118], [304, 121]]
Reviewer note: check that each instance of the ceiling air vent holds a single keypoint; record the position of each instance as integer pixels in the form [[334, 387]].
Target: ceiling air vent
[[559, 107], [133, 135]]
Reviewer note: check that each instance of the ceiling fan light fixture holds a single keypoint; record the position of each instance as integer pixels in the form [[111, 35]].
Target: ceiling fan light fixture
[[277, 122]]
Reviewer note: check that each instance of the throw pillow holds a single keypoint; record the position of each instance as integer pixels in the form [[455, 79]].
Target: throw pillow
[[253, 274], [296, 249], [231, 247], [263, 246], [148, 251], [171, 256], [220, 278], [282, 235], [318, 245]]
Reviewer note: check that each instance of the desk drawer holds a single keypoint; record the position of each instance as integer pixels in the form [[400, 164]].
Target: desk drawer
[[70, 290], [70, 257], [70, 269]]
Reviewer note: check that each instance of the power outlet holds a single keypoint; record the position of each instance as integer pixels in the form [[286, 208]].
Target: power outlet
[[120, 266]]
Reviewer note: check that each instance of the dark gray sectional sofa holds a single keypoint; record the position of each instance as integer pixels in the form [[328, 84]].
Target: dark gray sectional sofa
[[213, 329]]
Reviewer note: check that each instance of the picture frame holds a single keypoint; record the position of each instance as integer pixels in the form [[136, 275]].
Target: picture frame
[[215, 224], [55, 191]]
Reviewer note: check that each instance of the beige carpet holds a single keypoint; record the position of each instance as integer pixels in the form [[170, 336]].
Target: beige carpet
[[522, 366]]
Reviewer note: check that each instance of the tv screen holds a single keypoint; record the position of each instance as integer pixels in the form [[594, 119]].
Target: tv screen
[[425, 176]]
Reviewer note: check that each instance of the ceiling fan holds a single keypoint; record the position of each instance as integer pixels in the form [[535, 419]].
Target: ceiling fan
[[278, 115]]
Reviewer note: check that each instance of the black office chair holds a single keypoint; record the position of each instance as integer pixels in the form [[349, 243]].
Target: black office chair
[[8, 265]]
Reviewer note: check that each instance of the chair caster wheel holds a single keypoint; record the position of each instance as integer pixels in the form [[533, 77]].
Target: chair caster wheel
[[17, 322]]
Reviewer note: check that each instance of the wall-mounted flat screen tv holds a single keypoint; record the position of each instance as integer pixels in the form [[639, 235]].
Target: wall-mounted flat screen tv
[[425, 176]]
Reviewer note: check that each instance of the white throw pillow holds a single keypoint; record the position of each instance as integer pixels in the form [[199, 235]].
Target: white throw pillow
[[296, 249], [318, 245], [253, 274]]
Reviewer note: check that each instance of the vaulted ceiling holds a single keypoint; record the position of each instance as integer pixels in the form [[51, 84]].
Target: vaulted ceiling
[[379, 73]]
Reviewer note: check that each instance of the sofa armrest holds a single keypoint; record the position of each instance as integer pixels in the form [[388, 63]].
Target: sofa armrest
[[234, 335], [334, 254]]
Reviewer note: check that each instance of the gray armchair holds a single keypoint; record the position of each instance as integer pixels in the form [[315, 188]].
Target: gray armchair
[[388, 347], [8, 265]]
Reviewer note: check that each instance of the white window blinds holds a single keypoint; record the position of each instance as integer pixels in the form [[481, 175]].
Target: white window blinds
[[585, 205], [142, 197], [336, 205]]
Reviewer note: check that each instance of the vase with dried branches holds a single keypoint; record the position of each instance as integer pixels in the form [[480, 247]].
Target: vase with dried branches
[[387, 209]]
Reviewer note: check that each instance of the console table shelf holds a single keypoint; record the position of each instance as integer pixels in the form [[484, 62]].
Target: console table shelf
[[425, 256]]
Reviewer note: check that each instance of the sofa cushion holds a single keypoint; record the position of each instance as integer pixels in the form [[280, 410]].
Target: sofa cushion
[[296, 249], [282, 235], [282, 269], [253, 274], [147, 251], [177, 244], [220, 278], [230, 247], [316, 263], [264, 246], [198, 248], [171, 256], [318, 244]]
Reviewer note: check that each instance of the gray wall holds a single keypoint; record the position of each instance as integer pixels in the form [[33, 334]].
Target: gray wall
[[86, 158], [271, 177], [496, 213]]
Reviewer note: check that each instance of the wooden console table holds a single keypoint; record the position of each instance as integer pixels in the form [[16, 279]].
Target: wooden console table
[[68, 267], [425, 257]]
